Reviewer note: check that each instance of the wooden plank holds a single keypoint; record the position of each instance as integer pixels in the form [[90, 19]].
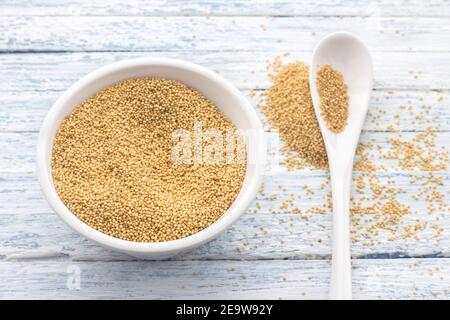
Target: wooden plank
[[56, 72], [412, 8], [115, 33], [28, 228], [272, 279], [24, 112]]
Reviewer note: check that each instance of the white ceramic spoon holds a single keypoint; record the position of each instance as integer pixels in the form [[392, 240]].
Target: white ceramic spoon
[[348, 54]]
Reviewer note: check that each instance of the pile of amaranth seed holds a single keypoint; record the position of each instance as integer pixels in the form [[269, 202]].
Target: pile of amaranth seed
[[289, 109], [112, 162]]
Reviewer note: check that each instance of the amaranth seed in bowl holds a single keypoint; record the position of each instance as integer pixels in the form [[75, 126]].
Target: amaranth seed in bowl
[[112, 162]]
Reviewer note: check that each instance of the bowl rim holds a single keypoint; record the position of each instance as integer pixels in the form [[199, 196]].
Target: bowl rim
[[173, 246]]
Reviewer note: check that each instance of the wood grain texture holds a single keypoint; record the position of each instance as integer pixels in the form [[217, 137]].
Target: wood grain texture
[[251, 34], [271, 279], [360, 8], [46, 46]]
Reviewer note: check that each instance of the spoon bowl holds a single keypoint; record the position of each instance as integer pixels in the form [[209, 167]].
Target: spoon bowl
[[347, 54], [350, 56]]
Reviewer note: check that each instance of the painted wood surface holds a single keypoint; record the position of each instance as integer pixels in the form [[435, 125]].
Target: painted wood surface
[[270, 252]]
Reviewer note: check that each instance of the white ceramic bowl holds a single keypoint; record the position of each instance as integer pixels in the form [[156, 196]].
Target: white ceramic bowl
[[224, 95]]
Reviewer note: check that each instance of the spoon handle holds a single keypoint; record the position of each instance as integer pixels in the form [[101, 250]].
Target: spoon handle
[[341, 278]]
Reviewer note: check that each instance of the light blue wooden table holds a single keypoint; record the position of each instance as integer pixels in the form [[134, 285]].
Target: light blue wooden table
[[46, 45]]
